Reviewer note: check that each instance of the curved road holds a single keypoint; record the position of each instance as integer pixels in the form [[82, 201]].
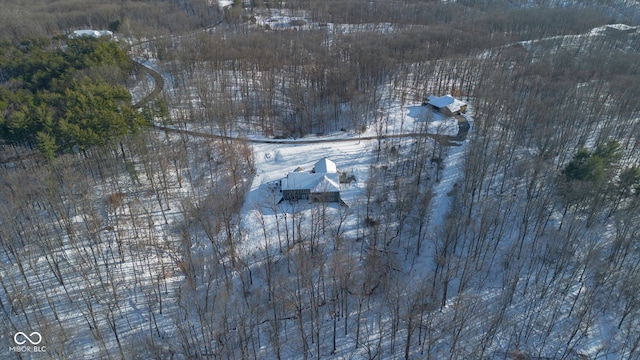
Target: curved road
[[158, 84], [445, 140]]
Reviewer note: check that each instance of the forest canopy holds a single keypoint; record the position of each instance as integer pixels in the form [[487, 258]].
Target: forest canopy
[[63, 95]]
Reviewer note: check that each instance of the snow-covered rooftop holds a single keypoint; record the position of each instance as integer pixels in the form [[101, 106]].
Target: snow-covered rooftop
[[225, 3], [318, 182], [328, 183], [447, 101], [91, 33], [325, 166]]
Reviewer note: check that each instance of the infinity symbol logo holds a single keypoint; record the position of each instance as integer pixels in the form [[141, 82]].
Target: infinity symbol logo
[[28, 338]]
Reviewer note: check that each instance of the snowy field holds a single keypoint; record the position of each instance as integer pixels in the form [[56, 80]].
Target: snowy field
[[168, 268]]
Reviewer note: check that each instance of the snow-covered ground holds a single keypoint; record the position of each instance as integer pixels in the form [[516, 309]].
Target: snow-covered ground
[[263, 227], [138, 256], [274, 161]]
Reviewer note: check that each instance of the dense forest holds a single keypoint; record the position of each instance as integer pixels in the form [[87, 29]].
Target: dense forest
[[36, 19], [65, 95], [517, 238]]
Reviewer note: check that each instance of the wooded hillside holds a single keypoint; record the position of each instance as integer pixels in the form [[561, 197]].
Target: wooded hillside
[[61, 94], [508, 232]]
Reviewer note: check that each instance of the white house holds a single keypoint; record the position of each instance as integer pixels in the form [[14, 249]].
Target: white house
[[447, 104], [91, 33], [323, 184]]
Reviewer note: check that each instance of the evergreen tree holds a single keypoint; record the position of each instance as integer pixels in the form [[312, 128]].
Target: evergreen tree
[[590, 166], [629, 181], [50, 97]]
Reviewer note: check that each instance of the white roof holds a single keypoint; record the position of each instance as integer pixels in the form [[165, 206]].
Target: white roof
[[328, 183], [92, 33], [447, 101], [318, 182], [225, 3], [325, 166]]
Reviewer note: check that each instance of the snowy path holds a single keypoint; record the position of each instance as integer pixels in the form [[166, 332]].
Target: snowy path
[[445, 140]]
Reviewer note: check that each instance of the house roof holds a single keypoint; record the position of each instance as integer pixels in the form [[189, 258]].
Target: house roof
[[318, 182], [224, 3], [328, 183], [447, 101], [92, 33], [325, 178], [325, 166]]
